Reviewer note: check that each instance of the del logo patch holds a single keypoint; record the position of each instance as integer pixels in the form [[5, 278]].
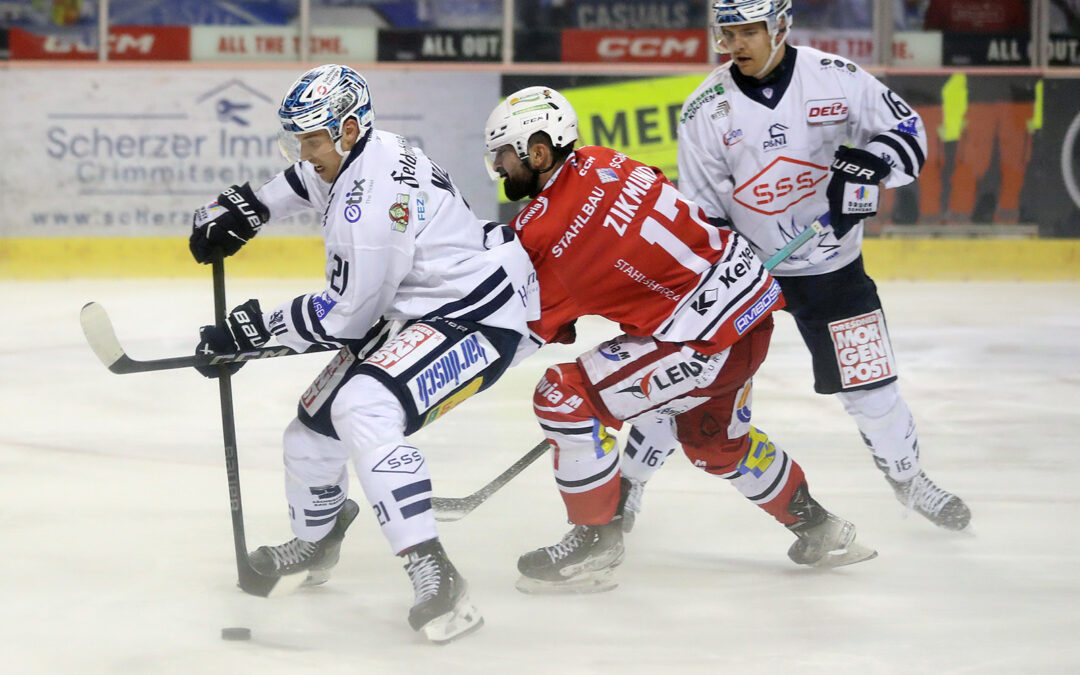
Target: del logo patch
[[863, 351]]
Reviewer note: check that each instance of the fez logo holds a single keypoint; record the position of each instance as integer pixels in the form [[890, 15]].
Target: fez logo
[[863, 352]]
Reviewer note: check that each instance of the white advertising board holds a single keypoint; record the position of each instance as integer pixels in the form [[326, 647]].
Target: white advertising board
[[282, 43], [133, 151]]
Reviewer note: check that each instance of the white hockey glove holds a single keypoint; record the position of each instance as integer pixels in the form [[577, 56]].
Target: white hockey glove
[[853, 188], [227, 223], [243, 331]]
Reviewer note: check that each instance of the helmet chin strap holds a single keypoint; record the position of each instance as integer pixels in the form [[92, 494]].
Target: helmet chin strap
[[770, 64]]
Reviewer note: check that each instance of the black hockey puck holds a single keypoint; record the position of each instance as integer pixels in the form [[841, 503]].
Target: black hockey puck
[[235, 633]]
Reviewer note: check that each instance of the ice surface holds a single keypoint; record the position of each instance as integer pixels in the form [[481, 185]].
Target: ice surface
[[118, 556]]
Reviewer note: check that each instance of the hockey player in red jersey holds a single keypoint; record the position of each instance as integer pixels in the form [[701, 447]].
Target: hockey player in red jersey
[[612, 237]]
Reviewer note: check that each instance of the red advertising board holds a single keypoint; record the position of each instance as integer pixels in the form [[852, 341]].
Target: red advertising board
[[635, 46], [126, 43]]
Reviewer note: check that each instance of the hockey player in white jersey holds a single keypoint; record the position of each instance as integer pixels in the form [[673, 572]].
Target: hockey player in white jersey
[[768, 143], [428, 310]]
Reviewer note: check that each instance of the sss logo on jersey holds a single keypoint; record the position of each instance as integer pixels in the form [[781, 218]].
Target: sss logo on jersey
[[780, 185], [827, 111]]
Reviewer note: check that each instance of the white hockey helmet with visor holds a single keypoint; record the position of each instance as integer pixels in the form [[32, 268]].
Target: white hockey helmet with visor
[[775, 13], [323, 98], [524, 113]]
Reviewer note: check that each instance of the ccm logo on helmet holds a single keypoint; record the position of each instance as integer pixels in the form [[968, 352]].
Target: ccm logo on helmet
[[827, 111]]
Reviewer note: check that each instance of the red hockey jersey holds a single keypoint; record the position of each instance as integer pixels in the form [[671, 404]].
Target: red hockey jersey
[[613, 237]]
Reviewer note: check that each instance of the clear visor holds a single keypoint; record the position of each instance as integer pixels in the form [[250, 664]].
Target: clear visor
[[492, 156], [716, 32], [289, 145]]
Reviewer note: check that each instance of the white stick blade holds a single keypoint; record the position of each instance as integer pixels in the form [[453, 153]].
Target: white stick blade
[[100, 334]]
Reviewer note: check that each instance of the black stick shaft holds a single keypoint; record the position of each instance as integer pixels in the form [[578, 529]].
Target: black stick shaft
[[228, 428]]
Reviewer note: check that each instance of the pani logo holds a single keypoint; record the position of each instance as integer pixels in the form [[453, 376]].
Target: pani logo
[[827, 111], [779, 186]]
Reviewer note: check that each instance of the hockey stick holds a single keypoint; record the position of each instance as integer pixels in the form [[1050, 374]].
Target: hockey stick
[[795, 244], [102, 339], [249, 580], [449, 509]]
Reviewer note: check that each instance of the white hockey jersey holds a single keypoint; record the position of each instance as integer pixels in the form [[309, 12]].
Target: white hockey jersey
[[401, 243], [759, 154]]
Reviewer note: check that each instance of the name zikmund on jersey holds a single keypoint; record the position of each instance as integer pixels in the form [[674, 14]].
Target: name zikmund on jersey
[[626, 204]]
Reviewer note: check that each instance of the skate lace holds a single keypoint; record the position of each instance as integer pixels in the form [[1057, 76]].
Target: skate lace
[[424, 574], [924, 495], [568, 545], [292, 552]]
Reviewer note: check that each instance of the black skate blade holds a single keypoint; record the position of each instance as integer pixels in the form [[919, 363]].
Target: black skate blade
[[253, 583]]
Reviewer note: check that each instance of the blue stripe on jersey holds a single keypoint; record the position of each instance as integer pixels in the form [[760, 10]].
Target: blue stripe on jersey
[[488, 308], [322, 512], [478, 294], [636, 437], [412, 489], [320, 521], [297, 313], [416, 508], [296, 184], [595, 478], [316, 322]]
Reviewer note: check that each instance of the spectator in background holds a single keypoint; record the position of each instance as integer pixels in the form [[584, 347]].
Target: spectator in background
[[849, 14], [977, 16], [908, 14], [1065, 16]]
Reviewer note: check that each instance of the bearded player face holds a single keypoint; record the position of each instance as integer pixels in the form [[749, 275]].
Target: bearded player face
[[519, 179]]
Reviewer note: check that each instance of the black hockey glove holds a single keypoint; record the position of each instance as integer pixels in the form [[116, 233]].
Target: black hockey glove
[[244, 331], [227, 223], [853, 188]]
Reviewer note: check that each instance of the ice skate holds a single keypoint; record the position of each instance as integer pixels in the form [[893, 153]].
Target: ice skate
[[940, 507], [296, 555], [441, 609], [633, 491], [824, 540], [583, 562], [829, 543]]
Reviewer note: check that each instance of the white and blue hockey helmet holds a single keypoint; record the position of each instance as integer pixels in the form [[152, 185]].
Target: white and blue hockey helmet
[[526, 112], [323, 98], [775, 13]]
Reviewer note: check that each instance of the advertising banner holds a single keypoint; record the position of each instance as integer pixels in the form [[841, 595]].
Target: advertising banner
[[126, 43], [132, 152], [606, 46], [1064, 50], [974, 49], [857, 45], [440, 45], [280, 43]]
